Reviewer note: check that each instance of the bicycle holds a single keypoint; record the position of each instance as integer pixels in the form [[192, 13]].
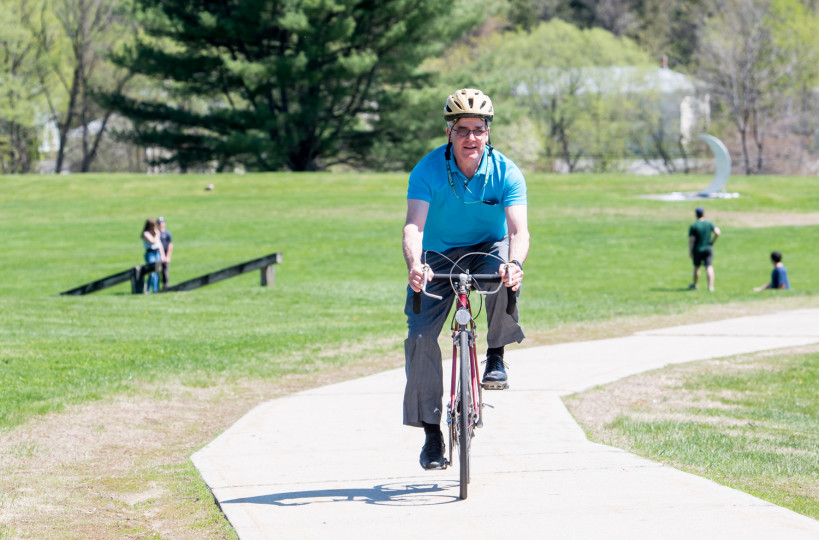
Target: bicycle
[[466, 388]]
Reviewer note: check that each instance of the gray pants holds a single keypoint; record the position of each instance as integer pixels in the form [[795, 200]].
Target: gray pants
[[425, 383]]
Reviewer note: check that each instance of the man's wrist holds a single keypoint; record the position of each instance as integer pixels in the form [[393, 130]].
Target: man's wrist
[[517, 262]]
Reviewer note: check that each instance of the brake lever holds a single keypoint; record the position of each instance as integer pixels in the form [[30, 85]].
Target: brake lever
[[424, 285], [416, 297]]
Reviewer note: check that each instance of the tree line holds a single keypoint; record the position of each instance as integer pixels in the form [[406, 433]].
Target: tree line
[[262, 85]]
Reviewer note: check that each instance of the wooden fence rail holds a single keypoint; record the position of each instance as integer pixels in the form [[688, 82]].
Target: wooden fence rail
[[265, 264], [137, 276]]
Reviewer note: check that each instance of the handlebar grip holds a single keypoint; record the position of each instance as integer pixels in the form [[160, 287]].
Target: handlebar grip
[[511, 301], [416, 303]]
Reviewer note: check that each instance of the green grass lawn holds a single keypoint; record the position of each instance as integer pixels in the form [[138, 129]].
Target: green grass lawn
[[599, 253], [747, 422]]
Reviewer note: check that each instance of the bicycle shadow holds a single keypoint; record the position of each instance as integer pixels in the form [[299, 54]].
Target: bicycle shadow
[[397, 494]]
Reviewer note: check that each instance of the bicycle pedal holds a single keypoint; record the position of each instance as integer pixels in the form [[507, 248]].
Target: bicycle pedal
[[495, 385]]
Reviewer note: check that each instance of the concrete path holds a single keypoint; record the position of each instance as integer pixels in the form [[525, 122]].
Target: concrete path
[[335, 462]]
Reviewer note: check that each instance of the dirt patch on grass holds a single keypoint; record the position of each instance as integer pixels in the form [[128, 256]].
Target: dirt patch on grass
[[756, 220], [659, 395], [120, 468], [753, 220]]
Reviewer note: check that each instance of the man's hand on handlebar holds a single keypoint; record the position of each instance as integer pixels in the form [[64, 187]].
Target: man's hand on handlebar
[[512, 275], [417, 274], [509, 274]]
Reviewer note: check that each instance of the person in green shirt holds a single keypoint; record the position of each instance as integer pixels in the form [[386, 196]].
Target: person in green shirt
[[701, 237]]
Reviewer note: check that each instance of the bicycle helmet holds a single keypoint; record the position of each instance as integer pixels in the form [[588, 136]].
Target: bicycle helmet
[[468, 103]]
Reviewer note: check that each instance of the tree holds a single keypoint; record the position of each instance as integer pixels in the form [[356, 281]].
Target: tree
[[563, 80], [615, 16], [668, 28], [275, 85], [795, 33], [86, 29], [527, 14], [731, 49], [752, 63], [20, 92]]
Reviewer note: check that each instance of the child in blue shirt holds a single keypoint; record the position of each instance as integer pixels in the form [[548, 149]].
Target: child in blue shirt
[[779, 276]]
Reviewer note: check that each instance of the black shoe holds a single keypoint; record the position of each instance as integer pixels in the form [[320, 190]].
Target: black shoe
[[494, 377], [432, 454]]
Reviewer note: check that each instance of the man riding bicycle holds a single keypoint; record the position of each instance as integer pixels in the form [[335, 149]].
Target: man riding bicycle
[[463, 197]]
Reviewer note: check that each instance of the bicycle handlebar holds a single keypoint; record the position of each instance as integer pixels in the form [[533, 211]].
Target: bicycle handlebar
[[511, 298], [491, 278]]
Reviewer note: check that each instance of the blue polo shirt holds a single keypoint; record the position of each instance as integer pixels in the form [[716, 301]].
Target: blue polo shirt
[[465, 220]]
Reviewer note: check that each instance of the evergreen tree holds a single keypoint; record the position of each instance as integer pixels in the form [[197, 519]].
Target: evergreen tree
[[275, 85]]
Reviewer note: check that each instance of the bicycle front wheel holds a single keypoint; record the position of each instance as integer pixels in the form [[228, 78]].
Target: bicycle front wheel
[[465, 427]]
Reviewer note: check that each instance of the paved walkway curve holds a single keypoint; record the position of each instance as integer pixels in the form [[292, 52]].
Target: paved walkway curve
[[335, 462]]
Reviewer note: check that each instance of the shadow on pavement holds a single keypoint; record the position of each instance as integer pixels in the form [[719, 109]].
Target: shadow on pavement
[[399, 494]]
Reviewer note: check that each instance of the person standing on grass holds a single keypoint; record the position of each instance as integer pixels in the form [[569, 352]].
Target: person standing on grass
[[153, 251], [779, 276], [167, 246], [463, 197], [702, 235]]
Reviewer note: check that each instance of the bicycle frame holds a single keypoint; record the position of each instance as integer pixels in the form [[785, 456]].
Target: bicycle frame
[[465, 324], [469, 328]]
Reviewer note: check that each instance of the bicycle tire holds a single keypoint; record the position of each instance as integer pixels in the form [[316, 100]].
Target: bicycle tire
[[465, 435]]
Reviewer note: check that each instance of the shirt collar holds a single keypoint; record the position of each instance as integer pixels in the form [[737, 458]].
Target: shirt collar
[[482, 167]]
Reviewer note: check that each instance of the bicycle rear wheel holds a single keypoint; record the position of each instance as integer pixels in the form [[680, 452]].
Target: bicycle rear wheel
[[465, 420]]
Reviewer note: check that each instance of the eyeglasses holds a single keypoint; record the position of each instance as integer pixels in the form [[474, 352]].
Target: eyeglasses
[[463, 133]]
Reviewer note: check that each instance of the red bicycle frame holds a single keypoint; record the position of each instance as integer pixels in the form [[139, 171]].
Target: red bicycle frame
[[463, 303]]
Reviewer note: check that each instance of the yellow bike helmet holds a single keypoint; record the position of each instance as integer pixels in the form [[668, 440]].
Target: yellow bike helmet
[[468, 103]]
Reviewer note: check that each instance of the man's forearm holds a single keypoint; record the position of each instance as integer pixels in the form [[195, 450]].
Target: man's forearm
[[519, 247], [412, 246]]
